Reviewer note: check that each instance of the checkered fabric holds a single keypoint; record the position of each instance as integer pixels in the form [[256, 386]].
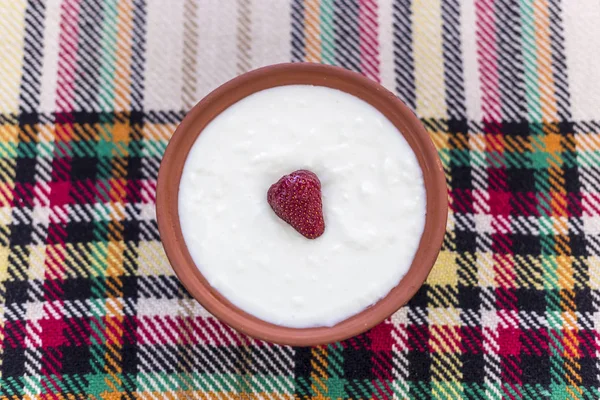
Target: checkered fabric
[[91, 90]]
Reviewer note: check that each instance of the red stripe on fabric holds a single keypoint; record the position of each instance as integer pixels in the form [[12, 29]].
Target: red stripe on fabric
[[130, 324], [591, 204], [23, 195], [511, 376], [589, 343], [14, 333], [488, 60], [368, 39], [534, 341], [381, 359], [149, 191], [69, 33], [84, 192], [77, 331], [418, 338], [41, 191], [222, 333], [166, 330], [506, 300], [149, 333], [471, 339], [133, 190], [52, 328], [574, 204], [462, 201], [524, 203]]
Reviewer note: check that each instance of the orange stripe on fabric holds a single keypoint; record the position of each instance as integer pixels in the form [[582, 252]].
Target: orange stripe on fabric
[[123, 55], [318, 374], [312, 31]]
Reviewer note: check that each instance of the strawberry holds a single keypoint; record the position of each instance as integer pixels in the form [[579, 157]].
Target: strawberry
[[296, 199]]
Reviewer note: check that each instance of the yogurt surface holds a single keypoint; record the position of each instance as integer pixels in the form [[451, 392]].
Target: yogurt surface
[[373, 204]]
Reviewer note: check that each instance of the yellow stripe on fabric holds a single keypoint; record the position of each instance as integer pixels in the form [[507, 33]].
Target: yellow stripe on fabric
[[12, 30], [206, 395], [541, 15], [428, 58], [152, 260], [528, 271], [593, 263], [431, 105], [445, 270], [3, 264]]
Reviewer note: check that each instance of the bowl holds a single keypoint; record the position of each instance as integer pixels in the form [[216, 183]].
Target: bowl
[[304, 74]]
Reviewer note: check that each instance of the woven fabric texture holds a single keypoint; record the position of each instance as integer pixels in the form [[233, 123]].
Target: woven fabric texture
[[90, 92]]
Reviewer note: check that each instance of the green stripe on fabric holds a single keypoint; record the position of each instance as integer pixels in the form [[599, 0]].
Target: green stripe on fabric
[[519, 160], [12, 386], [106, 92], [459, 158], [159, 382], [327, 33], [27, 150], [420, 390], [447, 390], [302, 386], [359, 388], [532, 93], [473, 391], [8, 149], [269, 383], [154, 148], [335, 370], [478, 159]]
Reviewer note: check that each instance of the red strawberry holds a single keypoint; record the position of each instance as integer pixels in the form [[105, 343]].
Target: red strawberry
[[296, 199]]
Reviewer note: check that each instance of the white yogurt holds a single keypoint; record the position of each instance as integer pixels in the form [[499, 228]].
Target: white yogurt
[[373, 205]]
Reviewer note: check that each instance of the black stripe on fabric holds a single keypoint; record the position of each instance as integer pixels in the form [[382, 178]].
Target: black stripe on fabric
[[510, 60], [160, 287], [29, 96], [29, 170], [559, 60], [297, 32], [172, 117], [302, 369], [453, 64], [138, 49], [138, 231], [84, 117], [346, 34], [87, 74], [21, 232], [404, 65]]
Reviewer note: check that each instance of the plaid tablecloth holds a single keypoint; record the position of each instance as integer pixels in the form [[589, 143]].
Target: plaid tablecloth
[[90, 92]]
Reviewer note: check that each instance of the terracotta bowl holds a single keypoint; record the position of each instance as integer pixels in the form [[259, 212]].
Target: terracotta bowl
[[308, 74]]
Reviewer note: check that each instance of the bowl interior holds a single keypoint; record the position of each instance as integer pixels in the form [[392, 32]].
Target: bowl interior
[[308, 74]]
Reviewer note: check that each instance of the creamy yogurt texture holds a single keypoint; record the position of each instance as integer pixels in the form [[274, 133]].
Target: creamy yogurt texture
[[373, 204]]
